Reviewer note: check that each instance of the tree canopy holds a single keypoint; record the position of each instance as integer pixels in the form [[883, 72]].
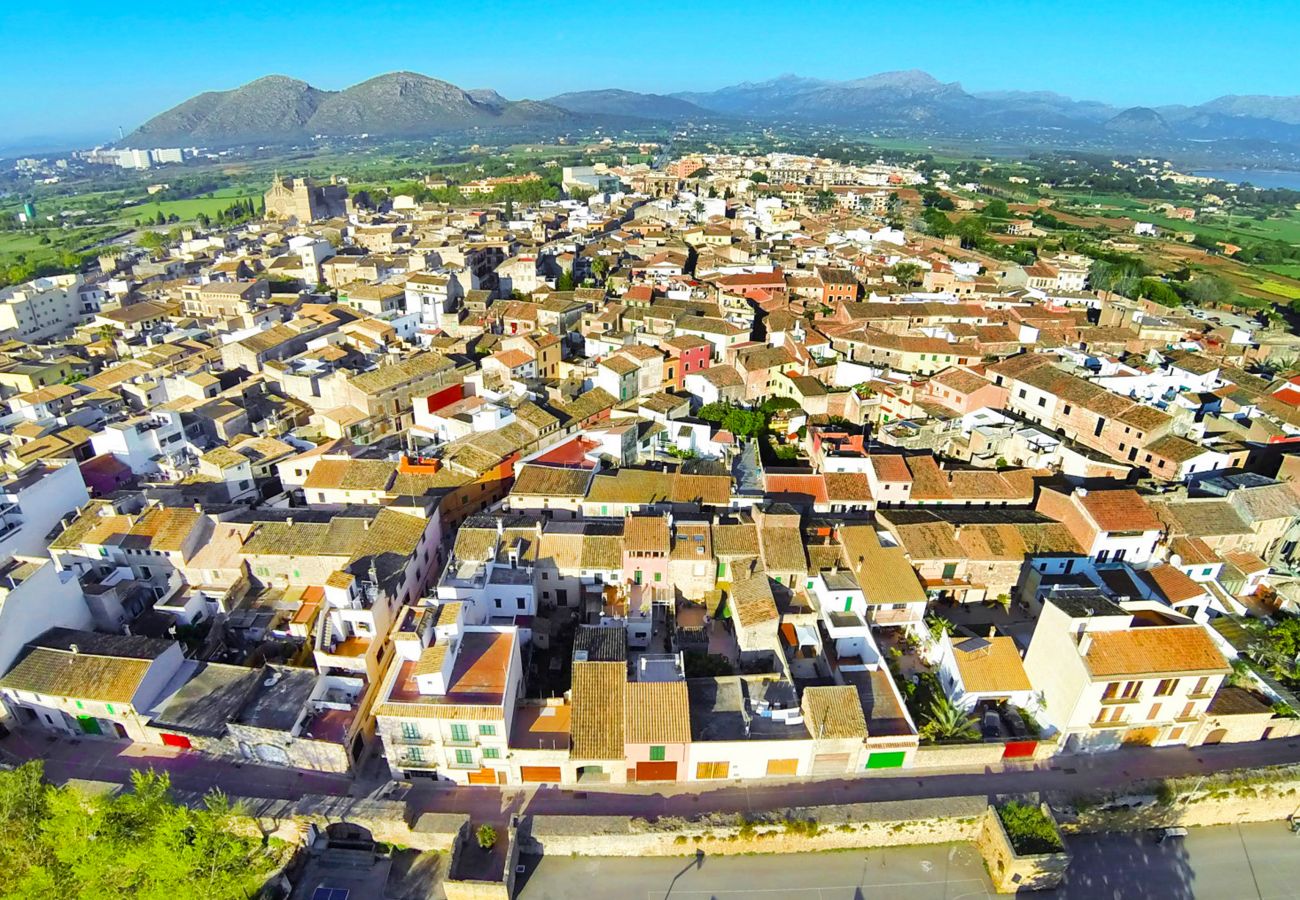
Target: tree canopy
[[58, 842]]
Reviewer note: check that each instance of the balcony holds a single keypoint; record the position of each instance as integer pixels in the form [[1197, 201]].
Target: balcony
[[407, 761], [1120, 701], [465, 767], [467, 742], [407, 741]]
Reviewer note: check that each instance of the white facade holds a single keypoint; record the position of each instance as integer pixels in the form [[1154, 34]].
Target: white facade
[[40, 309]]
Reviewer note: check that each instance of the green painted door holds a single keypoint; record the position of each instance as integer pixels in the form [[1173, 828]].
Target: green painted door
[[89, 724], [891, 760]]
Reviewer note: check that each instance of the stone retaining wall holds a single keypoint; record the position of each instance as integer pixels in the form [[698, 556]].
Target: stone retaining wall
[[837, 827]]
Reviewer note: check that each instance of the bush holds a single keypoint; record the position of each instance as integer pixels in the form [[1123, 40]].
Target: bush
[[487, 836], [1029, 828]]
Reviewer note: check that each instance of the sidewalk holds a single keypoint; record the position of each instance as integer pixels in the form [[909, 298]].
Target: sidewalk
[[114, 762]]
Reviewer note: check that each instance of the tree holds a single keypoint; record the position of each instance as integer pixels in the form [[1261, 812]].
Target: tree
[[599, 267], [823, 200], [1158, 291], [56, 841], [565, 281], [1209, 289], [997, 209], [487, 836], [907, 274], [151, 240], [945, 722]]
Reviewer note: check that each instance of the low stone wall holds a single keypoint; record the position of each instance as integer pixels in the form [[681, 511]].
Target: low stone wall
[[955, 756], [386, 820], [1225, 799], [1010, 871], [794, 831]]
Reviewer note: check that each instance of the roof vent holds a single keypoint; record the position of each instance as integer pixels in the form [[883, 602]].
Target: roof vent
[[74, 648]]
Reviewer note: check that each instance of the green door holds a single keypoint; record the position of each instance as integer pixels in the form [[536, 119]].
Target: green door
[[848, 604], [638, 576], [891, 760], [89, 724]]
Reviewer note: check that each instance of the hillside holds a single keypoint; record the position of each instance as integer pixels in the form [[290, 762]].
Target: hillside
[[399, 104]]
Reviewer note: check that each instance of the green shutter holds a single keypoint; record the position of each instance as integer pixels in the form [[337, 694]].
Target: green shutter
[[891, 760], [464, 757], [848, 604], [491, 753], [656, 754], [459, 732], [487, 729]]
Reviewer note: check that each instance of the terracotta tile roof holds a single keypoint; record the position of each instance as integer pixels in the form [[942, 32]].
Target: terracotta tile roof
[[752, 602], [1122, 510], [598, 710], [1173, 584], [644, 534], [1152, 651], [657, 712], [995, 667], [833, 712], [890, 468], [885, 575]]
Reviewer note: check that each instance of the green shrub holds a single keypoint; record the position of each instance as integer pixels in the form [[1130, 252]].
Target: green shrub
[[1030, 829]]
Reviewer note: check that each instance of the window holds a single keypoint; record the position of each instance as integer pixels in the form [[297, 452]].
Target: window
[[656, 754], [1103, 555], [487, 730], [410, 731], [1066, 409], [415, 754], [1198, 689], [1155, 711], [1122, 690], [491, 753], [459, 731], [1188, 711], [1166, 687], [464, 758]]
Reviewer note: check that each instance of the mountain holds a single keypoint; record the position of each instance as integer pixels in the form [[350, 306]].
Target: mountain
[[1138, 120], [406, 105], [889, 99], [399, 104], [263, 110], [613, 102]]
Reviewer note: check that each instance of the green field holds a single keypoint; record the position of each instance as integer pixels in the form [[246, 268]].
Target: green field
[[1287, 271], [187, 210], [1290, 292]]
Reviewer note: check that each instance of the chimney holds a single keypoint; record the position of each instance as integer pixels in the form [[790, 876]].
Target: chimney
[[1085, 643], [288, 520], [1081, 492], [74, 648], [993, 632]]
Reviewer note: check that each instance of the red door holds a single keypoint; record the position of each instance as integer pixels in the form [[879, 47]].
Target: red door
[[177, 740]]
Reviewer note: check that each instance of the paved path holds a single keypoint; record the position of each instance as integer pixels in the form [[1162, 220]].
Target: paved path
[[1248, 862], [112, 761]]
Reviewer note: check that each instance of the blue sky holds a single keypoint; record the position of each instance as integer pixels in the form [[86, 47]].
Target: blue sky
[[81, 69]]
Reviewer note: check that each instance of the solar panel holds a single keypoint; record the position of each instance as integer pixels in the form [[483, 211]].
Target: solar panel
[[329, 893], [972, 644]]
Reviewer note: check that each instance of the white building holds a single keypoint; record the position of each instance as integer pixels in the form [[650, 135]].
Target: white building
[[41, 308]]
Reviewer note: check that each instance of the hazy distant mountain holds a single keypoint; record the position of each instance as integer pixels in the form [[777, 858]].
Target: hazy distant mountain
[[613, 102], [894, 99], [404, 104], [1049, 103], [1138, 120], [399, 104]]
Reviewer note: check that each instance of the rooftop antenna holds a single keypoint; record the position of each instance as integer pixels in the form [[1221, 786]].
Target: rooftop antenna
[[120, 133]]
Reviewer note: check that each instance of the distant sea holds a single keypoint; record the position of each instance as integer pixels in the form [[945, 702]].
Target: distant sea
[[1264, 178]]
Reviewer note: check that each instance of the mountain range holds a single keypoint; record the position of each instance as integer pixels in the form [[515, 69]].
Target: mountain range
[[406, 105]]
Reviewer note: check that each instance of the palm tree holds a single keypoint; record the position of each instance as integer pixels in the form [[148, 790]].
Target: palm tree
[[948, 723]]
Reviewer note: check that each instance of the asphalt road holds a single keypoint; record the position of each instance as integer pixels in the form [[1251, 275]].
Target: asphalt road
[[1224, 863], [905, 873], [114, 761]]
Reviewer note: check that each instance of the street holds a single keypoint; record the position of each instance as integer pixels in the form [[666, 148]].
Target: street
[[1248, 862], [114, 761]]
